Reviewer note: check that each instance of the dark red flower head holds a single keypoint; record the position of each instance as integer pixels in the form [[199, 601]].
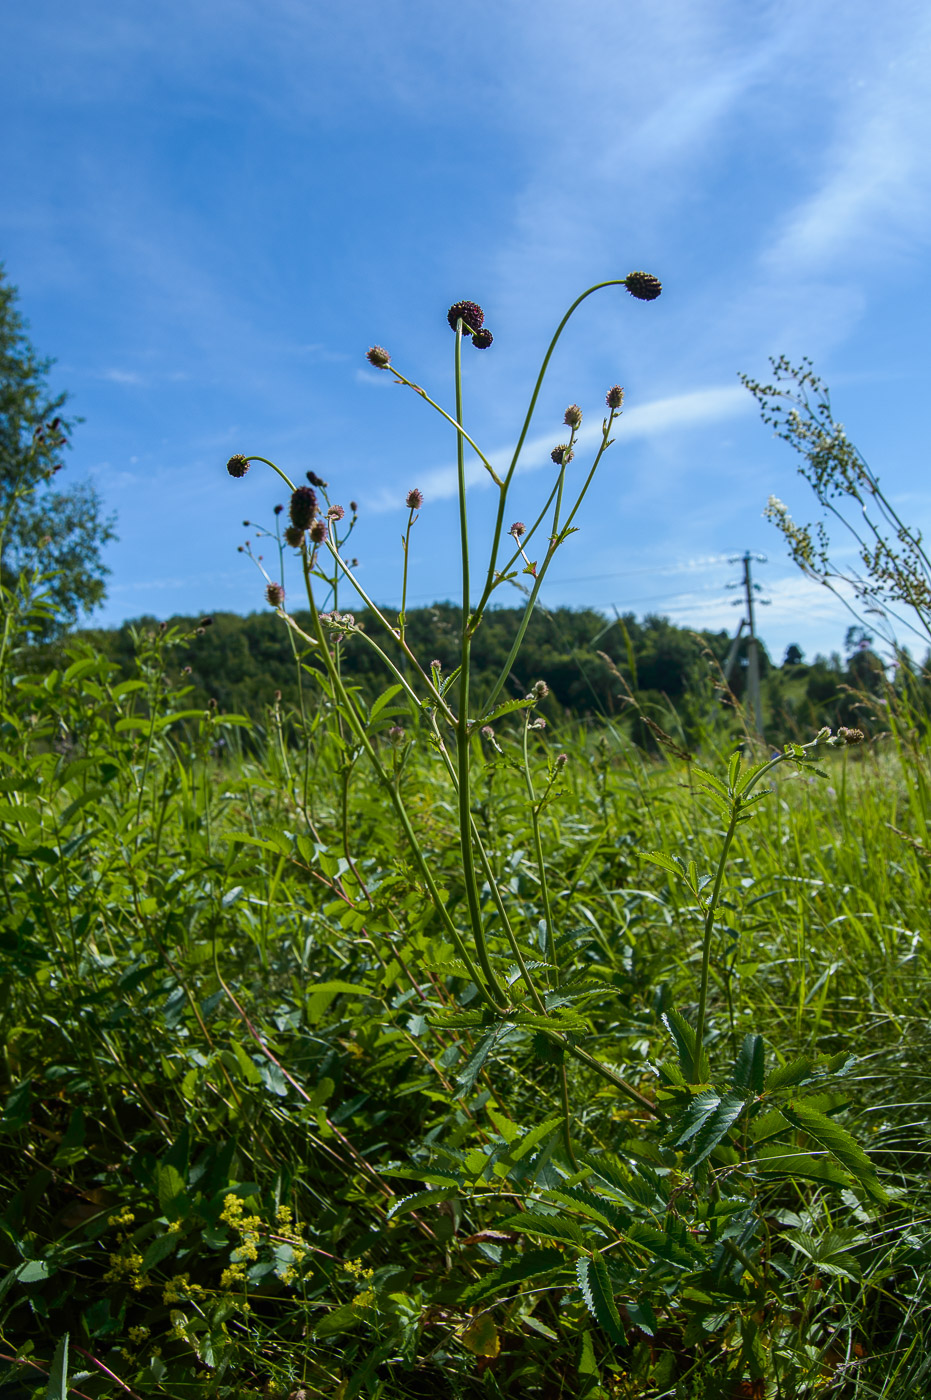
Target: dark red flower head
[[303, 507], [414, 499], [643, 285], [472, 316], [482, 339], [238, 465]]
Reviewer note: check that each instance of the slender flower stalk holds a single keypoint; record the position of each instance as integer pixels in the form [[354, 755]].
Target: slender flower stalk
[[463, 728]]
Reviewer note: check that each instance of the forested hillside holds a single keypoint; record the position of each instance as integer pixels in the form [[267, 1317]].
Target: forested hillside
[[242, 662]]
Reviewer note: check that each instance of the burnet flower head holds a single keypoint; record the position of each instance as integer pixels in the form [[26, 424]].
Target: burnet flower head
[[643, 285], [473, 322]]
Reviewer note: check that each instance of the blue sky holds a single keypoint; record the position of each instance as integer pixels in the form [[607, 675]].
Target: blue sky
[[212, 210]]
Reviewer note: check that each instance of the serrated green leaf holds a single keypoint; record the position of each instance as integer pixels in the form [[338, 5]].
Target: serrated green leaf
[[794, 1072], [57, 1388], [687, 1124], [33, 1271], [405, 1204], [595, 1284], [780, 1160], [385, 698], [673, 1244], [456, 1020], [503, 1280], [663, 861], [505, 708], [838, 1142], [716, 1127], [595, 1207], [465, 1079], [750, 1065], [684, 1036], [535, 1136], [505, 1126], [551, 1227]]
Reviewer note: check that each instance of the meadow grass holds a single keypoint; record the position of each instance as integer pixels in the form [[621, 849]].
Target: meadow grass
[[208, 995]]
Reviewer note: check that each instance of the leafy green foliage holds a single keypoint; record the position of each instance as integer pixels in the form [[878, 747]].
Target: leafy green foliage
[[64, 530]]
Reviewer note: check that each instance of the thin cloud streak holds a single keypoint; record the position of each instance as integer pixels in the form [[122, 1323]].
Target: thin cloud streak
[[701, 406]]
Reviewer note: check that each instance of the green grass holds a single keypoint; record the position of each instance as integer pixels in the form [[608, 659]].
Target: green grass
[[218, 987]]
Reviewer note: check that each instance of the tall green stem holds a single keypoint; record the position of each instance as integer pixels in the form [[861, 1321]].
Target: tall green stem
[[463, 737], [541, 863]]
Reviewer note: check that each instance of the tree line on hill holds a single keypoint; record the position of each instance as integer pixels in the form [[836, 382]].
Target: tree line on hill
[[595, 667]]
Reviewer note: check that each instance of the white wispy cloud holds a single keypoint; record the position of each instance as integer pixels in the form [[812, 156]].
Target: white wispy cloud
[[677, 412], [873, 195]]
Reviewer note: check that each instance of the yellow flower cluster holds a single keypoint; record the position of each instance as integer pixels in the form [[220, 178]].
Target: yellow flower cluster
[[234, 1275], [180, 1288], [125, 1217], [137, 1335], [251, 1230], [357, 1269], [125, 1268], [365, 1299]]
